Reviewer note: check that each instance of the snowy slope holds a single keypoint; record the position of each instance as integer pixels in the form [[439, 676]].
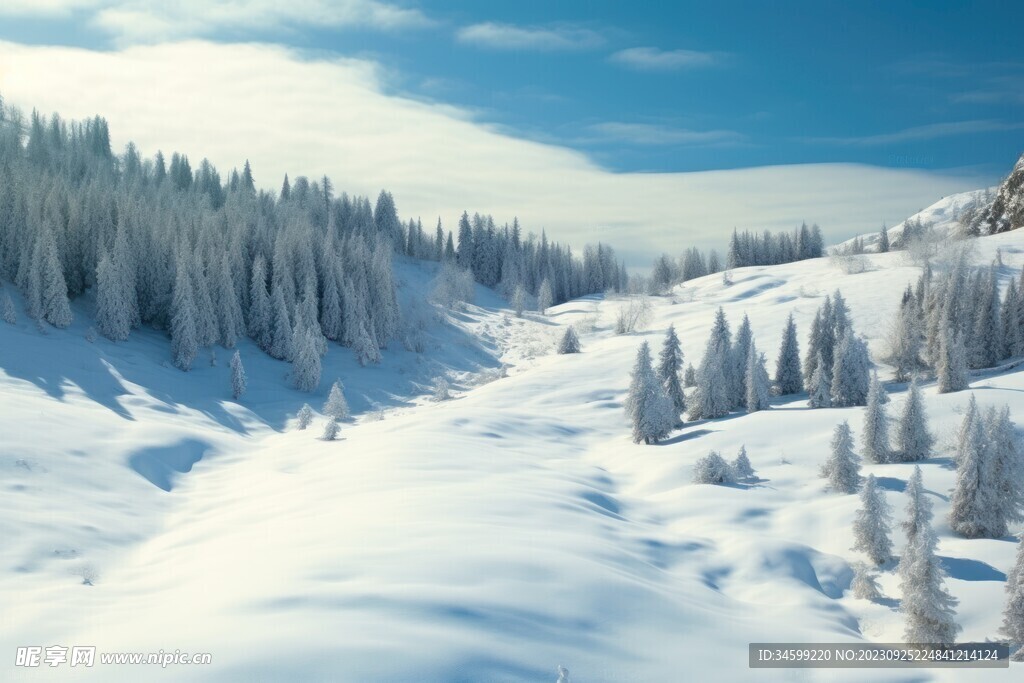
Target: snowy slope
[[488, 538]]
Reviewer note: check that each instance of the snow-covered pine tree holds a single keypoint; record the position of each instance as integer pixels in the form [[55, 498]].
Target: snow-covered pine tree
[[840, 315], [670, 365], [282, 334], [788, 379], [116, 306], [238, 380], [951, 368], [757, 383], [545, 298], [336, 406], [850, 372], [569, 343], [306, 364], [7, 311], [876, 425], [987, 343], [919, 508], [926, 606], [184, 339], [331, 428], [964, 433], [712, 469], [883, 240], [519, 301], [365, 348], [906, 339], [260, 315], [1013, 340], [647, 405], [50, 287], [819, 387], [813, 360], [229, 310], [690, 376], [1008, 464], [871, 526], [442, 390], [974, 507], [1013, 615], [712, 398], [842, 469], [305, 417], [741, 468], [865, 582], [738, 357], [913, 440]]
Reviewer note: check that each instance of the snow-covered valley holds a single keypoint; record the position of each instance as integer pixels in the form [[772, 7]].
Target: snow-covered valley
[[491, 537]]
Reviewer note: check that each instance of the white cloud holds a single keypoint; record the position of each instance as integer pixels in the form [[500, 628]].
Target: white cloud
[[655, 134], [653, 59], [927, 132], [156, 20], [286, 113], [44, 8], [541, 38]]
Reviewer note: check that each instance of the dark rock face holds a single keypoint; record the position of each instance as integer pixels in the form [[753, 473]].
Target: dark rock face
[[1007, 211]]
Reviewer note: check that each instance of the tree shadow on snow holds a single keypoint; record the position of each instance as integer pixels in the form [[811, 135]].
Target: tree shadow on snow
[[970, 570]]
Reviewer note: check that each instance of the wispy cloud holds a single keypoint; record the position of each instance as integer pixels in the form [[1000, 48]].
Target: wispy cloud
[[926, 132], [656, 134], [134, 21], [558, 37], [654, 59], [288, 113]]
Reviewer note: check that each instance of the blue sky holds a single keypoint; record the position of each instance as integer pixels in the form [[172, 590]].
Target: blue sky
[[653, 126], [672, 86]]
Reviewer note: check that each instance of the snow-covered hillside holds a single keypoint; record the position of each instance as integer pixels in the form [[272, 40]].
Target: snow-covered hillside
[[487, 538]]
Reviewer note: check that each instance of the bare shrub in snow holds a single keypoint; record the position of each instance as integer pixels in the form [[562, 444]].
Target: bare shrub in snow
[[453, 287], [634, 314]]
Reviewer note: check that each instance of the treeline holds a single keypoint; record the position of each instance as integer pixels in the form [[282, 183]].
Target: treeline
[[211, 259], [745, 249], [954, 321]]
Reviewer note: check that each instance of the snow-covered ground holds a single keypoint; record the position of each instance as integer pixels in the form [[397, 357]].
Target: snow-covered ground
[[487, 538]]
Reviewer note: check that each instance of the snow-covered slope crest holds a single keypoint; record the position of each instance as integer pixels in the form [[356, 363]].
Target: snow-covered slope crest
[[943, 216], [492, 537]]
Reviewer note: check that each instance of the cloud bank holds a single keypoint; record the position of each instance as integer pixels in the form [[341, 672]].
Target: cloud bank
[[287, 112]]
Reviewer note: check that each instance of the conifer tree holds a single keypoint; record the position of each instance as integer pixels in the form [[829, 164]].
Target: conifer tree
[[876, 425], [113, 317], [788, 379], [52, 289], [306, 365], [712, 398], [1008, 464], [919, 508], [336, 405], [184, 335], [282, 334], [260, 315], [238, 380], [519, 301], [913, 440], [758, 388], [712, 469], [646, 403], [305, 416], [741, 468], [865, 584], [974, 507], [820, 389], [569, 342], [737, 363], [690, 376], [7, 311], [544, 297], [365, 348], [842, 469], [331, 428], [951, 368], [1012, 339], [1013, 614], [670, 365], [926, 605], [850, 372], [871, 526], [229, 318], [883, 240]]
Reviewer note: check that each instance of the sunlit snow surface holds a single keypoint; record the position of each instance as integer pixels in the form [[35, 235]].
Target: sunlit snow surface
[[488, 538]]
